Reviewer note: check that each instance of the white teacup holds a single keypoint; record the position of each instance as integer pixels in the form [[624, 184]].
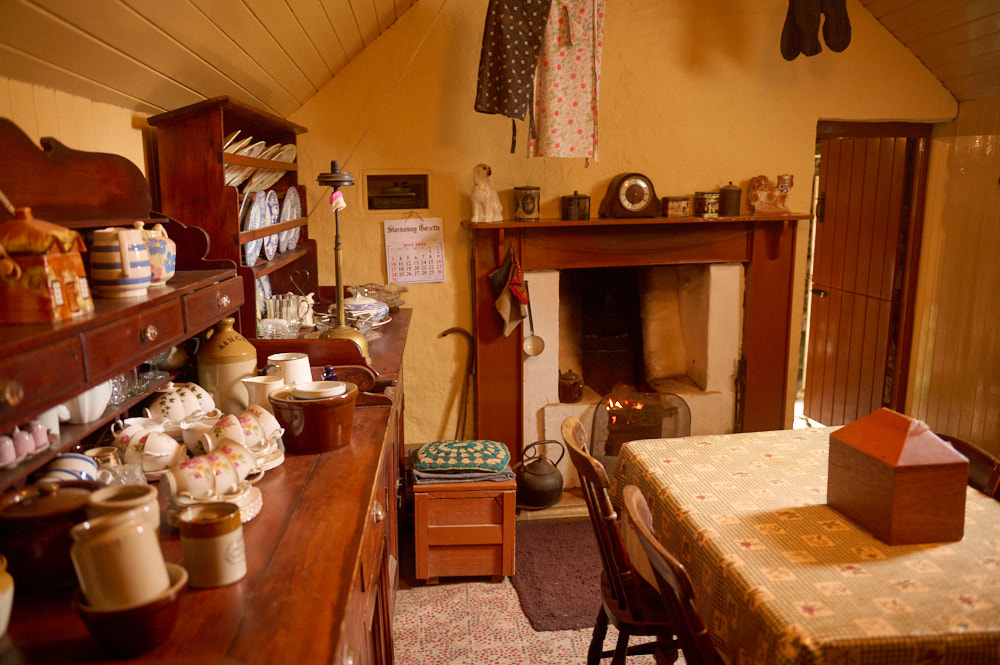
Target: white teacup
[[125, 431], [191, 478], [268, 423], [242, 459], [227, 479], [167, 406], [253, 432], [192, 431], [292, 367], [205, 402], [155, 452], [126, 497], [227, 427]]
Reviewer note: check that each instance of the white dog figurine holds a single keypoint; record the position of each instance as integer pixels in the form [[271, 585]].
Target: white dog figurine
[[485, 202]]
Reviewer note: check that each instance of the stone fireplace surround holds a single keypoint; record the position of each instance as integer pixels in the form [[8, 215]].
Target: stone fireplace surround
[[763, 245]]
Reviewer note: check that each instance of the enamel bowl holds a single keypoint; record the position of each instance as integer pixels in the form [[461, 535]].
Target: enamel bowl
[[318, 389]]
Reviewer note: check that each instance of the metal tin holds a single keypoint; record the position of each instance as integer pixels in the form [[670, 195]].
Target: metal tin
[[706, 204], [729, 200], [676, 206], [526, 201], [576, 207]]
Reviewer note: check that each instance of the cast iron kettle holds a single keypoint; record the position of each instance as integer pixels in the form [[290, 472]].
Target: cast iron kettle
[[539, 483]]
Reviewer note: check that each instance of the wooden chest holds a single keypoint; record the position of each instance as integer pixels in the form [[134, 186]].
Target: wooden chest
[[464, 529], [896, 478]]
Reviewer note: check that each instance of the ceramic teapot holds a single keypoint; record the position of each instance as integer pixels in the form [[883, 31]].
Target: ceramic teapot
[[162, 253]]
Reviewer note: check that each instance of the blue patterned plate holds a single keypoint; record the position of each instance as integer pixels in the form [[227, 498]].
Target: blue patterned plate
[[271, 218], [256, 218], [291, 208]]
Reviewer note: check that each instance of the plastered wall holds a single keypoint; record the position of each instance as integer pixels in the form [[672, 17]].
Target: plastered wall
[[694, 94]]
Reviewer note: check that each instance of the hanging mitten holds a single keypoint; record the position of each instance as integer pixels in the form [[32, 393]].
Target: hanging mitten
[[836, 24], [791, 38], [807, 14]]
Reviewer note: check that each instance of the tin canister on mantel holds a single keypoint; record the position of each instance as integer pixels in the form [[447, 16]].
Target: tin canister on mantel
[[706, 204], [729, 200], [526, 200], [576, 207], [676, 206]]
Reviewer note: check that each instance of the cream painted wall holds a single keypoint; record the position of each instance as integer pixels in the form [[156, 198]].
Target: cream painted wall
[[77, 122], [694, 94]]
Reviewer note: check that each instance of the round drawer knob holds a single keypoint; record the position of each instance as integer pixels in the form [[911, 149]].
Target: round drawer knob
[[149, 333], [11, 393], [223, 301], [378, 512]]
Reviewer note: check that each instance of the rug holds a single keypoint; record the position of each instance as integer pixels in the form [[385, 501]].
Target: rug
[[557, 573]]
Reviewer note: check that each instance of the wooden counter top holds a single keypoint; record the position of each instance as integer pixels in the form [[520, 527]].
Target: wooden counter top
[[303, 560]]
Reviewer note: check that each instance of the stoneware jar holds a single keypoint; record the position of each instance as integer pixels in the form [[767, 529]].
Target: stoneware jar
[[119, 263], [226, 357], [212, 543]]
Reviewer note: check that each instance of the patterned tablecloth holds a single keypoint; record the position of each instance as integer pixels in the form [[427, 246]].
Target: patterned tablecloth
[[780, 577]]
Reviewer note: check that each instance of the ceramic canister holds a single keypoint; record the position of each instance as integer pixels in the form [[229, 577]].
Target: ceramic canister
[[576, 207], [729, 200], [119, 263], [212, 543], [225, 358], [526, 200]]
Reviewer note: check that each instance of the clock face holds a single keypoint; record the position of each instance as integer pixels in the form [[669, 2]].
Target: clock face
[[634, 193]]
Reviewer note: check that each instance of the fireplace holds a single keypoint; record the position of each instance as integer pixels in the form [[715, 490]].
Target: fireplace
[[756, 251]]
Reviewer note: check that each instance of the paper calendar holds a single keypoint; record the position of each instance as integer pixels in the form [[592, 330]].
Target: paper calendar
[[414, 250]]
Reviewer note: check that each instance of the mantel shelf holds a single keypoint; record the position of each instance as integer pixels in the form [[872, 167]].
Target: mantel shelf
[[631, 221]]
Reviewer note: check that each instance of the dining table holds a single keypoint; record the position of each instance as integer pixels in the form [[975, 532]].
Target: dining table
[[780, 577]]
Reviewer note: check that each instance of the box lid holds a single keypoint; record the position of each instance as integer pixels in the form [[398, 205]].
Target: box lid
[[897, 439]]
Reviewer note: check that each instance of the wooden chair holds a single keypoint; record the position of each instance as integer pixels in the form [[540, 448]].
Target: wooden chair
[[675, 585], [984, 468], [628, 602]]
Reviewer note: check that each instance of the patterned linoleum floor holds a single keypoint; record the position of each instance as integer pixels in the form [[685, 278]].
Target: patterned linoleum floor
[[481, 623]]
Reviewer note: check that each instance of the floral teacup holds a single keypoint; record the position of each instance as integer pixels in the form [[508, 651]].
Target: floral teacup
[[192, 478], [253, 433], [270, 425], [228, 427], [242, 459]]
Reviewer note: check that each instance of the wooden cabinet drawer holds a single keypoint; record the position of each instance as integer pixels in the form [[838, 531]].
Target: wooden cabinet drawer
[[126, 343], [39, 377], [373, 545], [203, 308]]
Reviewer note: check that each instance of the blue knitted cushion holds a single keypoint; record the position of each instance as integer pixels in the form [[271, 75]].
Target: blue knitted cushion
[[458, 456]]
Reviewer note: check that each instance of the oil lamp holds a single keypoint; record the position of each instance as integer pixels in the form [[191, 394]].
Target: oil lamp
[[336, 179]]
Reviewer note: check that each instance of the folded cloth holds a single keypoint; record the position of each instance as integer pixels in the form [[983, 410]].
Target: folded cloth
[[430, 477], [507, 282]]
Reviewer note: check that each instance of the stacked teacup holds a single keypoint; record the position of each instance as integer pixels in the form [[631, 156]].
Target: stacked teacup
[[226, 473], [143, 441]]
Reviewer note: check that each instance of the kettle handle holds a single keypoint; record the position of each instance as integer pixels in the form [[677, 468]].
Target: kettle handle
[[524, 455]]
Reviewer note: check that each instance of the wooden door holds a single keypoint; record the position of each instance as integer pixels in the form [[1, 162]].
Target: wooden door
[[871, 187]]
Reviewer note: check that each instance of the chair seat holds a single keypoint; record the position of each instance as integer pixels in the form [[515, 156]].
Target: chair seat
[[648, 604]]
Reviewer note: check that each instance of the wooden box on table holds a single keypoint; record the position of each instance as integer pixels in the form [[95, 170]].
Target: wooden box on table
[[464, 529], [895, 477]]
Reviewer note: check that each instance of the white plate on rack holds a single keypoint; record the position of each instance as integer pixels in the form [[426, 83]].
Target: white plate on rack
[[235, 173], [256, 218], [227, 141], [236, 146], [291, 208], [272, 211], [264, 178]]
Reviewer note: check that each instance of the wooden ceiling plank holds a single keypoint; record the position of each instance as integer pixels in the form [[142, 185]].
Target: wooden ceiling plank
[[345, 24], [283, 26], [69, 48], [386, 12], [127, 30], [401, 7], [314, 20], [6, 111], [367, 19], [962, 34], [961, 51], [203, 38], [974, 86], [981, 64], [936, 15], [245, 29], [880, 8]]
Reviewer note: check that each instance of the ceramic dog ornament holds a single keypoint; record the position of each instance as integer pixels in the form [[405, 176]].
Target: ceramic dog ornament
[[486, 205]]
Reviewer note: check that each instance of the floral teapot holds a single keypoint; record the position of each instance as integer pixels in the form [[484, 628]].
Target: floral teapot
[[162, 253]]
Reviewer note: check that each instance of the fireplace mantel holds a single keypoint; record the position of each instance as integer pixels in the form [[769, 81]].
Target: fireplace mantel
[[765, 244]]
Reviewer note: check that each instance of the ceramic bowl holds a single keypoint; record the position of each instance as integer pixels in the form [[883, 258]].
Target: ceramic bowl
[[318, 389], [134, 631], [363, 305]]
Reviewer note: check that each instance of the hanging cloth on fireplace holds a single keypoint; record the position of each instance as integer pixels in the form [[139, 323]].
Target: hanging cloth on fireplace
[[510, 296], [512, 40], [568, 81]]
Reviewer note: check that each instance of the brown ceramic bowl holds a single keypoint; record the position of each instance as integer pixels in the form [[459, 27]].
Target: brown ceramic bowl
[[135, 630], [314, 425]]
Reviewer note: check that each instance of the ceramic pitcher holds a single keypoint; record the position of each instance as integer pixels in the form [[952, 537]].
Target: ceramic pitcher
[[162, 253], [119, 263], [226, 357]]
